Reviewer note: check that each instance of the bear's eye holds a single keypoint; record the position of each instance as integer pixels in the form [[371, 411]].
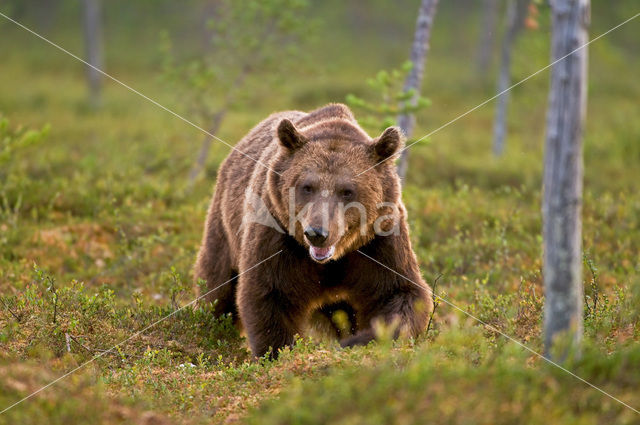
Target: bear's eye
[[307, 188], [346, 193]]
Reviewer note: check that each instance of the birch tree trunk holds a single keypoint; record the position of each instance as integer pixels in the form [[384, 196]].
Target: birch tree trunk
[[216, 122], [488, 36], [92, 23], [198, 166], [563, 169], [419, 50], [516, 15]]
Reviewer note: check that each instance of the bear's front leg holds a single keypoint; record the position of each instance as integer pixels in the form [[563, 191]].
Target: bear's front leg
[[269, 317], [396, 295], [405, 312]]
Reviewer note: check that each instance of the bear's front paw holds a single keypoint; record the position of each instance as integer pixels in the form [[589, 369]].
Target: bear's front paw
[[361, 338]]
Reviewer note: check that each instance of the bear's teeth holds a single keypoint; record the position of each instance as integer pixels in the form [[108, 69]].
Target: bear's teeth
[[321, 253]]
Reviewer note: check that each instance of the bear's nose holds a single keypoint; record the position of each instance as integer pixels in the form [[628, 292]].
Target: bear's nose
[[316, 235]]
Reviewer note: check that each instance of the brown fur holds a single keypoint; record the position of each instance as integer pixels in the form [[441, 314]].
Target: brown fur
[[324, 150]]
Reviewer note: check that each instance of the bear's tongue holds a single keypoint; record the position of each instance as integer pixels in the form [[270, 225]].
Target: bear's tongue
[[321, 253]]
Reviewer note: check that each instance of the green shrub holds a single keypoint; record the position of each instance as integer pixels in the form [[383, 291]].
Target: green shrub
[[470, 381]]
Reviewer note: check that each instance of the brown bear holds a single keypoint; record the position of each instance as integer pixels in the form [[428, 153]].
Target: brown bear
[[304, 216]]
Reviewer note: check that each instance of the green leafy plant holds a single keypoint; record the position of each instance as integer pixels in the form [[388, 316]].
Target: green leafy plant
[[14, 144], [15, 181], [392, 100], [249, 45], [13, 141]]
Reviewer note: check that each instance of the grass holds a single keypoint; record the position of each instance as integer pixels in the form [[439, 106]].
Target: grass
[[417, 388], [98, 236]]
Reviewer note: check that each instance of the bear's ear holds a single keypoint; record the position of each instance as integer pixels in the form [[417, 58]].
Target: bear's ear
[[389, 142], [289, 136]]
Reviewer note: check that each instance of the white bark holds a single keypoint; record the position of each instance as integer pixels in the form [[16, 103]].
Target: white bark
[[516, 14], [488, 36], [419, 50], [92, 23], [563, 170]]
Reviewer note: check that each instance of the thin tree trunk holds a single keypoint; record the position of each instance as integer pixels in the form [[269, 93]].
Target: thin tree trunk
[[46, 15], [92, 23], [488, 37], [208, 13], [516, 15], [419, 50], [216, 122], [198, 166], [563, 170]]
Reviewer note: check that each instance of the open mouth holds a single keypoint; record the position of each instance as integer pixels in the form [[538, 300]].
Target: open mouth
[[321, 254]]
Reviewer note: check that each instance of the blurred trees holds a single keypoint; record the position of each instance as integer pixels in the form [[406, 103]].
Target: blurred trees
[[256, 40], [563, 170], [490, 10], [419, 49], [517, 11], [92, 26], [398, 105], [394, 99], [46, 14]]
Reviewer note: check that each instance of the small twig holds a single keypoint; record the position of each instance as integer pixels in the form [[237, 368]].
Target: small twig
[[95, 350], [55, 307], [4, 303], [435, 300], [592, 309], [90, 351], [54, 291], [74, 339]]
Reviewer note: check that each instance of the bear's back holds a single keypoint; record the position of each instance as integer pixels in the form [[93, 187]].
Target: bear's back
[[329, 112]]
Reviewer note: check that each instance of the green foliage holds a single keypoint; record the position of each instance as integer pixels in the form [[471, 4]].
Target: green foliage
[[80, 400], [13, 141], [15, 145], [249, 44], [470, 381], [393, 99], [114, 238], [609, 316], [16, 183], [49, 319]]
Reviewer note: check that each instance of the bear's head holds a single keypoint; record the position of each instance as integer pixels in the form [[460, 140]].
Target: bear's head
[[335, 187]]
